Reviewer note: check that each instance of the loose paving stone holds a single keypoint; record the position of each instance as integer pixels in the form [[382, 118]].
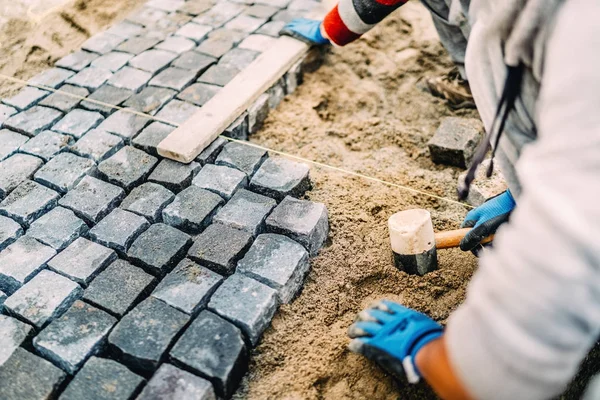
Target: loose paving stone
[[192, 210], [107, 94], [82, 261], [150, 99], [6, 112], [302, 220], [78, 122], [159, 249], [15, 170], [33, 121], [92, 199], [238, 58], [143, 336], [278, 178], [219, 75], [176, 44], [171, 383], [149, 139], [127, 168], [173, 175], [245, 23], [73, 338], [125, 124], [173, 78], [12, 334], [64, 102], [118, 230], [10, 142], [210, 154], [97, 145], [246, 211], [26, 98], [221, 180], [133, 284], [21, 261], [152, 61], [247, 303], [53, 77], [484, 188], [239, 128], [194, 62], [25, 376], [166, 5], [28, 202], [188, 287], [199, 93], [112, 61], [257, 113], [197, 7], [278, 262], [219, 14], [258, 43], [45, 145], [193, 31], [177, 112], [219, 247], [245, 158], [44, 298], [137, 45], [216, 46], [214, 348], [102, 43], [130, 78], [10, 231], [455, 141], [276, 93], [57, 229], [125, 29], [90, 78], [293, 78], [77, 61], [102, 379], [148, 200], [271, 28], [146, 16], [64, 171]]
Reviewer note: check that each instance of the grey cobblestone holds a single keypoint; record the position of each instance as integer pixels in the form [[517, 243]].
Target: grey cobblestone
[[484, 188], [102, 43], [150, 99], [239, 128], [138, 45], [77, 60], [245, 158], [279, 177], [261, 11], [193, 31], [210, 154], [124, 124], [238, 58], [274, 3], [215, 348], [149, 139], [247, 303], [276, 93], [258, 43], [293, 78], [78, 122], [16, 169], [148, 200], [216, 46], [257, 113], [53, 77], [28, 202], [286, 16], [127, 168], [146, 16], [173, 78], [58, 228], [21, 261], [97, 145], [90, 78], [141, 343], [82, 261], [221, 180], [192, 210], [166, 5], [113, 61], [92, 199], [64, 171], [246, 211], [152, 61], [107, 94], [6, 112], [133, 284], [177, 112], [10, 142], [188, 287], [73, 338], [63, 102], [173, 175], [194, 62], [171, 383], [125, 29], [159, 249], [199, 93], [271, 28], [118, 230], [245, 23], [455, 141], [194, 8], [10, 231], [219, 14], [26, 98], [3, 298], [219, 75], [33, 121], [176, 44], [44, 298], [45, 145], [12, 334], [130, 78]]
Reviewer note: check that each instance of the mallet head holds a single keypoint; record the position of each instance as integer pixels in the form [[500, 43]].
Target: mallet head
[[413, 241]]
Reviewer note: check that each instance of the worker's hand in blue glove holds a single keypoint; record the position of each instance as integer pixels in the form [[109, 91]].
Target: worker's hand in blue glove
[[307, 30], [486, 219], [391, 335]]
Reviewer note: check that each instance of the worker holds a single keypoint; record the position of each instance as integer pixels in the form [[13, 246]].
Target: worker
[[532, 310]]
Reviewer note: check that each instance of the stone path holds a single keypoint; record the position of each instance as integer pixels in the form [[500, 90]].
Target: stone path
[[125, 275]]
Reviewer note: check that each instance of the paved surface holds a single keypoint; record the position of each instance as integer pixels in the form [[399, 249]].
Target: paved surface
[[123, 274]]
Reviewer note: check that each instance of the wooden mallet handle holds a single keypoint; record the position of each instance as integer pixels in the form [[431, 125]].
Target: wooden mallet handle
[[451, 239]]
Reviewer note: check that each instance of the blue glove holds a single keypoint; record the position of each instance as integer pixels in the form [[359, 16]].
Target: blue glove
[[306, 30], [486, 219], [392, 335]]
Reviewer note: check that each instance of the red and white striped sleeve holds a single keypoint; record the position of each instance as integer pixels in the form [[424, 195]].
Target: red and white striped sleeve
[[352, 18]]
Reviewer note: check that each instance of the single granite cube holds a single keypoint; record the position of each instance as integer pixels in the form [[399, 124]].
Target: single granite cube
[[92, 199], [199, 93], [46, 145], [58, 228], [10, 231], [152, 61], [171, 383], [173, 175], [6, 112], [16, 169], [176, 44], [26, 98], [149, 139], [455, 141], [12, 334], [148, 200], [106, 94], [33, 121], [63, 101], [21, 261], [246, 211], [28, 202], [150, 99], [97, 145], [53, 77], [102, 43], [221, 180], [118, 230], [10, 142], [210, 154], [127, 168], [64, 171], [174, 78], [278, 178], [176, 112], [90, 78], [77, 60], [112, 61], [245, 158], [194, 62], [192, 210], [130, 79], [78, 122], [124, 123]]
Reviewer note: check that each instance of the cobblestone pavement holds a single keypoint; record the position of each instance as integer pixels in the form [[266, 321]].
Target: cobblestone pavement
[[126, 275]]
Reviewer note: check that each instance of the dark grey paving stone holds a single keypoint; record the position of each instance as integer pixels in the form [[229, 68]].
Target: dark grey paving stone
[[171, 383], [177, 112], [112, 61], [143, 336], [150, 99], [219, 248], [455, 141], [58, 228], [246, 211], [21, 261], [174, 78], [216, 46], [16, 169], [28, 202], [118, 230], [195, 32], [77, 60], [219, 14], [43, 299], [199, 93], [166, 5], [147, 16], [276, 93], [107, 94], [10, 142], [245, 158], [102, 379], [192, 210], [64, 171], [53, 77], [130, 79], [73, 338], [92, 199], [77, 122], [63, 102], [194, 8], [26, 98], [159, 249], [257, 113], [210, 154], [173, 175], [10, 231], [194, 62], [90, 78], [125, 29], [257, 42], [238, 128], [82, 261], [33, 121], [188, 287], [133, 284], [271, 28], [149, 138], [278, 262], [302, 220], [97, 145], [137, 45], [45, 145], [278, 178], [247, 303], [127, 168], [148, 200], [245, 23], [221, 180], [124, 124], [102, 43], [12, 334], [28, 377], [219, 75], [294, 77], [176, 44], [152, 61], [261, 11]]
